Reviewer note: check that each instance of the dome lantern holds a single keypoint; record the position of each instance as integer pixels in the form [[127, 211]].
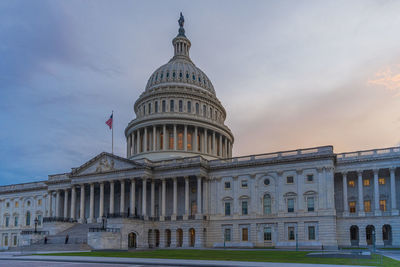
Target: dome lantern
[[181, 43]]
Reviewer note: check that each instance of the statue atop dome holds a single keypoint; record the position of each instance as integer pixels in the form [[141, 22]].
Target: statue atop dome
[[181, 21]]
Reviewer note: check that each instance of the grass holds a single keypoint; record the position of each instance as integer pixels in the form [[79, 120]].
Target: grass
[[236, 255]]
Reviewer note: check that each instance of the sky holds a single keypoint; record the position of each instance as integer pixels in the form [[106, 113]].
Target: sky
[[291, 74]]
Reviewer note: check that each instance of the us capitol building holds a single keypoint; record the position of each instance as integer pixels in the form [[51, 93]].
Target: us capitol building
[[179, 185]]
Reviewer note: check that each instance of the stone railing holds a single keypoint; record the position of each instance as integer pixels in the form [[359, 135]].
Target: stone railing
[[100, 229], [180, 161], [58, 219], [33, 232], [365, 154], [316, 151]]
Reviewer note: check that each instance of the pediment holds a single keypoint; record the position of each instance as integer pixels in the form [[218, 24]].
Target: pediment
[[102, 163]]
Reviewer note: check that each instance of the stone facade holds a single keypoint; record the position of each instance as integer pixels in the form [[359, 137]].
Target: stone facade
[[180, 187]]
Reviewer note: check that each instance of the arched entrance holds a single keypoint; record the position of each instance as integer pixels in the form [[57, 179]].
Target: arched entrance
[[157, 238], [354, 236], [370, 234], [132, 240], [179, 237], [387, 235], [192, 236], [167, 238]]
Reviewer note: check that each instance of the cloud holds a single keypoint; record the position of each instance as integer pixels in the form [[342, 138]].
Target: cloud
[[389, 78]]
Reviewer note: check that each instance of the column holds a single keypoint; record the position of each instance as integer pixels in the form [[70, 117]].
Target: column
[[345, 199], [164, 137], [205, 196], [122, 200], [195, 144], [175, 201], [66, 203], [205, 142], [187, 196], [50, 196], [163, 193], [134, 143], [112, 197], [138, 142], [377, 211], [185, 138], [393, 191], [152, 198], [220, 145], [199, 195], [175, 136], [91, 206], [214, 147], [144, 213], [82, 211], [101, 204], [58, 203], [145, 140], [73, 202], [133, 195], [360, 194], [128, 148], [154, 138]]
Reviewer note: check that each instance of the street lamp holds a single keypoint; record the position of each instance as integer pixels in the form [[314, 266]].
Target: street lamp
[[36, 223], [104, 221]]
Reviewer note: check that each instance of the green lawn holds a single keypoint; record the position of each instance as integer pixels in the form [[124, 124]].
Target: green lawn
[[236, 255]]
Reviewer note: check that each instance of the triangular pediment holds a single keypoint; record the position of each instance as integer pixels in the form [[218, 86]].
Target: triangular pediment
[[104, 162]]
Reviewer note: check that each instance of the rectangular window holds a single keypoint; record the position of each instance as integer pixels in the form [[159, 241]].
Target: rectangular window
[[227, 185], [290, 205], [164, 108], [149, 108], [7, 221], [15, 240], [310, 203], [171, 105], [211, 112], [382, 204], [39, 202], [156, 107], [310, 178], [352, 183], [144, 109], [6, 240], [381, 181], [352, 206], [244, 183], [171, 140], [245, 234], [311, 232], [189, 107], [291, 235], [367, 205], [366, 182], [267, 234], [16, 204], [180, 106], [227, 208], [204, 111], [244, 208], [39, 219], [227, 235], [180, 141], [289, 180], [16, 221], [197, 108]]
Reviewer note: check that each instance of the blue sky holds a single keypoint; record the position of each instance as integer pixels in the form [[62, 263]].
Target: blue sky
[[290, 74]]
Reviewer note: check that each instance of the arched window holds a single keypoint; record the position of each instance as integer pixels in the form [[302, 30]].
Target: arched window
[[28, 218], [267, 204]]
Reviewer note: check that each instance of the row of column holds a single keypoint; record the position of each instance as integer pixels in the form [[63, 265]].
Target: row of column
[[155, 139], [376, 192], [132, 205]]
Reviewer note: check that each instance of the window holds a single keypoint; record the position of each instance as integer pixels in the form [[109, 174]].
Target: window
[[290, 205], [39, 217], [7, 221], [381, 181], [171, 105], [382, 204], [156, 107], [211, 112], [244, 184], [352, 206], [16, 221], [366, 182], [197, 108], [39, 202], [267, 204], [163, 106], [245, 234], [310, 204], [16, 204], [291, 233], [6, 240], [14, 240], [149, 108], [28, 218], [8, 204], [180, 141], [352, 183], [311, 232], [227, 185], [266, 181], [144, 110], [189, 107], [267, 234], [367, 205], [189, 141], [227, 235], [310, 178], [28, 203], [289, 180], [227, 208], [244, 208], [204, 111], [171, 140], [180, 106]]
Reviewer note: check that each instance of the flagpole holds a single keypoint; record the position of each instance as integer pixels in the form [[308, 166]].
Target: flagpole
[[112, 133]]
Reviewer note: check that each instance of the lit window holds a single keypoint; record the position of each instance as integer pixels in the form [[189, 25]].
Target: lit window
[[310, 178], [171, 140], [227, 208], [267, 234], [189, 141], [311, 232], [39, 202], [310, 203], [244, 208], [382, 204], [16, 204], [381, 181], [367, 205], [244, 184], [366, 182], [290, 205], [227, 185], [180, 106], [171, 105], [180, 141], [189, 107], [291, 233], [227, 235], [245, 234], [267, 204], [352, 183], [289, 180], [352, 206]]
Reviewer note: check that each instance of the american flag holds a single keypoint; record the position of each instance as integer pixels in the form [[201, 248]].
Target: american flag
[[109, 122]]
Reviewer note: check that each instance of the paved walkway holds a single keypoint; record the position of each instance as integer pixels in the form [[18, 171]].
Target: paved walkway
[[394, 254]]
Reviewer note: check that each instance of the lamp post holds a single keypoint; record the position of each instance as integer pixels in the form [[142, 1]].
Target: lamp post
[[104, 221], [36, 223], [373, 241]]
